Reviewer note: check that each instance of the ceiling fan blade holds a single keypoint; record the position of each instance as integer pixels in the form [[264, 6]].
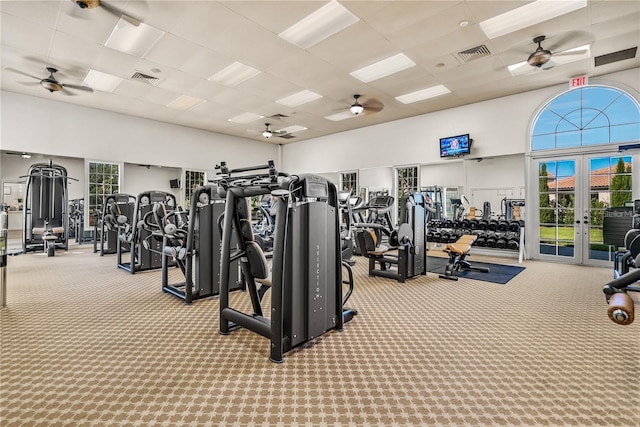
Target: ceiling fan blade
[[548, 65], [571, 52], [30, 83], [77, 87], [22, 73], [67, 92], [372, 106]]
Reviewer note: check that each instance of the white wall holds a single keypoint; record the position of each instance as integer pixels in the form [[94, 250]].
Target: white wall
[[50, 127], [138, 179]]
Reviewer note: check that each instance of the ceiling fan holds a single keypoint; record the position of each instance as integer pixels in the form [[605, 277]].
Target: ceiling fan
[[541, 57], [92, 4], [51, 83], [23, 154], [367, 106], [268, 132]]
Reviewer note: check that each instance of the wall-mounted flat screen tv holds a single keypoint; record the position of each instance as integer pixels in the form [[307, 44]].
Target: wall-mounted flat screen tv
[[454, 146]]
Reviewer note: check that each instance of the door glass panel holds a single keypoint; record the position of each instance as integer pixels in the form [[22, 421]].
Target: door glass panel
[[557, 208], [610, 185]]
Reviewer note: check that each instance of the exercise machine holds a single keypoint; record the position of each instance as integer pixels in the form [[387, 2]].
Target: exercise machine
[[621, 304], [146, 247], [409, 238], [117, 211], [457, 252], [46, 214], [346, 227], [195, 247], [306, 277]]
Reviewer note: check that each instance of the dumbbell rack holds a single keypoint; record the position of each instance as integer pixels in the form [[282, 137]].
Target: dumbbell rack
[[494, 235]]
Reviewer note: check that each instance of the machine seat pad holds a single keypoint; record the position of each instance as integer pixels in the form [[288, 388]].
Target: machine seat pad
[[462, 245], [380, 250]]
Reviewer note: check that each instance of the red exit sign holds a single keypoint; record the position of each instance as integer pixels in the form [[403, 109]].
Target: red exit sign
[[578, 81]]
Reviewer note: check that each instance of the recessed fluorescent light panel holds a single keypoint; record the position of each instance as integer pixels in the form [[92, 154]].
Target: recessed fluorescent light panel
[[558, 58], [383, 68], [234, 74], [294, 128], [299, 98], [528, 15], [245, 118], [101, 81], [135, 40], [338, 117], [185, 102], [423, 94], [321, 24]]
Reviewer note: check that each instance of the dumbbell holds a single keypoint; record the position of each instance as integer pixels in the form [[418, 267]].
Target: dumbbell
[[493, 225], [481, 240], [473, 224], [466, 224], [457, 224], [492, 239], [483, 224], [448, 224], [453, 238], [513, 244], [430, 236], [437, 237], [444, 237], [503, 225], [501, 242], [514, 226]]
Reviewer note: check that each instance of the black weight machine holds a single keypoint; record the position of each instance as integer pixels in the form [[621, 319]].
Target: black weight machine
[[306, 279], [46, 214], [409, 239], [146, 247], [195, 248], [117, 211]]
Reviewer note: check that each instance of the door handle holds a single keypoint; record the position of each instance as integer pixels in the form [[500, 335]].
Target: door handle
[[578, 222], [586, 222]]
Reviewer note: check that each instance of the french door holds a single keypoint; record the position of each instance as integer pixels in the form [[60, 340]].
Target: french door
[[570, 195]]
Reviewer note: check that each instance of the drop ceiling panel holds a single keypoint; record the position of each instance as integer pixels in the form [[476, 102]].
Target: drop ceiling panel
[[271, 17], [356, 45], [438, 26], [172, 50], [93, 25], [203, 63], [25, 35], [40, 12], [73, 48], [113, 62]]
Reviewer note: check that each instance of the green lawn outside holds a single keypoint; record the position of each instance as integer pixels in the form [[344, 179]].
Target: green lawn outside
[[567, 233]]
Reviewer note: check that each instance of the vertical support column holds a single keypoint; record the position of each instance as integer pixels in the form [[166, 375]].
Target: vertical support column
[[277, 282]]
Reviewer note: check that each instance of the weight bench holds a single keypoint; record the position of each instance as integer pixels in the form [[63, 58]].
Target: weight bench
[[457, 252], [49, 238]]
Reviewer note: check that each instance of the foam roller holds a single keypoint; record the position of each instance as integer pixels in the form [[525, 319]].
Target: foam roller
[[621, 308]]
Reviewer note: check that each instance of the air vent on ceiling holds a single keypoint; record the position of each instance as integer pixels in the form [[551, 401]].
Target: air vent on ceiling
[[474, 53], [278, 117], [615, 56], [287, 136], [137, 75]]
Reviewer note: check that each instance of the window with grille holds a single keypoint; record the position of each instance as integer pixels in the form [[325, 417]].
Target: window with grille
[[349, 182], [192, 180], [103, 180], [406, 183]]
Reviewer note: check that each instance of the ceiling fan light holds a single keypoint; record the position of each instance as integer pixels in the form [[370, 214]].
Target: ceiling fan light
[[25, 155], [50, 85], [539, 58], [267, 132], [356, 109]]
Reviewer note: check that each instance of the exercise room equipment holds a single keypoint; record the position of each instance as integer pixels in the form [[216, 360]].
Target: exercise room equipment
[[46, 215], [457, 253], [409, 240], [117, 211], [146, 247], [305, 302], [195, 248]]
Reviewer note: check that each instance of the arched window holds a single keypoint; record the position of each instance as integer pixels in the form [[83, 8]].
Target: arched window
[[590, 115]]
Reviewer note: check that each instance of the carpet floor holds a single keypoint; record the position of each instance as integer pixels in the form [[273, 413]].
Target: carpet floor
[[85, 344]]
